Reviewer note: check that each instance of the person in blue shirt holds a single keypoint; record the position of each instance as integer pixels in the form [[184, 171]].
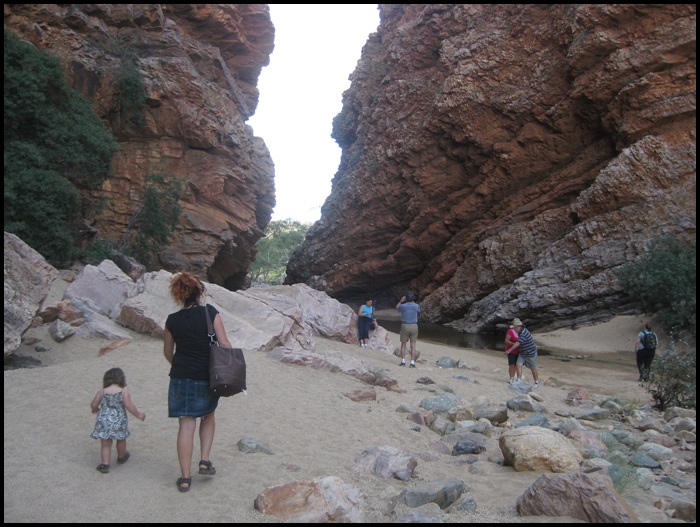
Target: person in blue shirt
[[409, 326], [364, 321]]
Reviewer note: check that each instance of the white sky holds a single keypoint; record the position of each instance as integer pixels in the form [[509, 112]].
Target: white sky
[[316, 49]]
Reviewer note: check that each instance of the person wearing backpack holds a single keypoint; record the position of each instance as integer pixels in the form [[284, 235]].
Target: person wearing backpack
[[645, 348]]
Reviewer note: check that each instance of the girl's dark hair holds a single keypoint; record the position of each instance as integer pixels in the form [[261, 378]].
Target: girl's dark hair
[[186, 289], [114, 376]]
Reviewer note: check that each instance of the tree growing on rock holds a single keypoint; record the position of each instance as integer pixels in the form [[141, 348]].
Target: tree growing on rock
[[153, 223]]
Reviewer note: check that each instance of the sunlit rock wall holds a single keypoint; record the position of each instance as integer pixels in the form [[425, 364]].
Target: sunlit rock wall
[[505, 160]]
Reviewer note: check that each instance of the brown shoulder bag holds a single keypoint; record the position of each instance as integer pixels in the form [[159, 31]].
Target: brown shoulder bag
[[227, 368]]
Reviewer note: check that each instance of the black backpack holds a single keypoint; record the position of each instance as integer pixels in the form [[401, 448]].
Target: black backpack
[[650, 341]]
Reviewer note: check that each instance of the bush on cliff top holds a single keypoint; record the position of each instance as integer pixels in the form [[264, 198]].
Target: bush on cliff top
[[55, 145]]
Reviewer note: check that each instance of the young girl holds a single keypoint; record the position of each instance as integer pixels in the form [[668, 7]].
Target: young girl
[[112, 423]]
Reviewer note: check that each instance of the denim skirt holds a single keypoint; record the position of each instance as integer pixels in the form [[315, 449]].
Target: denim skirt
[[188, 398]]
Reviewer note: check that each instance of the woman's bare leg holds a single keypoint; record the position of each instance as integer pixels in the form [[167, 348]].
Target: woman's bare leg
[[511, 371], [185, 444], [207, 427]]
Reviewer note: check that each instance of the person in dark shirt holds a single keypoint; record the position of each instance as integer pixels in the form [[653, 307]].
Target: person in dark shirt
[[528, 349], [644, 356], [186, 348]]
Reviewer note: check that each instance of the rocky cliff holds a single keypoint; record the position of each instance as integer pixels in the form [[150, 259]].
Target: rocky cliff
[[199, 65], [504, 160]]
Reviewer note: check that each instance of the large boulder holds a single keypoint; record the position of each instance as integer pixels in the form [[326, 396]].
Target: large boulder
[[588, 497], [539, 449], [322, 500], [105, 288], [27, 281]]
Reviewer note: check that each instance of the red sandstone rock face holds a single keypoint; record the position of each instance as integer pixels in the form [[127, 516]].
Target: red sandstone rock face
[[504, 160], [200, 65]]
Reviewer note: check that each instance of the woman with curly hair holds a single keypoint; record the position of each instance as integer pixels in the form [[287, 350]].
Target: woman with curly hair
[[186, 348]]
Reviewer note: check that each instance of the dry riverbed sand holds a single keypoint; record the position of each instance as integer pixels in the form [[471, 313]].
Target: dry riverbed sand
[[302, 413]]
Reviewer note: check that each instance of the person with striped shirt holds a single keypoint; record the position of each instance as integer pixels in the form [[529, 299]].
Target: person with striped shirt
[[528, 349]]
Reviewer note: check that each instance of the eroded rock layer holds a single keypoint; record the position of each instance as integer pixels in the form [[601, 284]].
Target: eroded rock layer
[[199, 64], [505, 160]]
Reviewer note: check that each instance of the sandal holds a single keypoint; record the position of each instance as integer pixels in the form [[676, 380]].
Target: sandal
[[181, 482], [122, 460], [208, 469], [103, 468]]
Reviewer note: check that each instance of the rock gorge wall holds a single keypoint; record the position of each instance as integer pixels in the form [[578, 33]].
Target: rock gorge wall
[[504, 160], [199, 64]]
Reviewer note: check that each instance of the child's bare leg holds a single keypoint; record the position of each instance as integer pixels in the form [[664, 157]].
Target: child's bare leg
[[105, 450], [121, 447]]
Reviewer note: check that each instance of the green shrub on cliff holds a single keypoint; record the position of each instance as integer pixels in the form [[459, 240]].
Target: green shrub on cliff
[[663, 282], [131, 92], [55, 146], [153, 223]]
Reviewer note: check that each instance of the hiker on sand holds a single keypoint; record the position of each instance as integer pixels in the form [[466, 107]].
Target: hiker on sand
[[528, 350], [186, 347], [409, 326], [645, 349]]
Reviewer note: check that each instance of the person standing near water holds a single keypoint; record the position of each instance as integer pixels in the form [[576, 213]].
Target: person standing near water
[[364, 319], [409, 326]]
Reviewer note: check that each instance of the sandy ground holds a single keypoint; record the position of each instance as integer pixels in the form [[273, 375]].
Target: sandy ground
[[300, 412]]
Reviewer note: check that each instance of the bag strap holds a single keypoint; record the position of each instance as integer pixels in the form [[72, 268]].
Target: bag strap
[[211, 334]]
